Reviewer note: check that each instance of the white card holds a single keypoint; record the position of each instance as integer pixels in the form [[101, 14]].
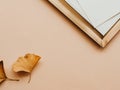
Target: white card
[[103, 28], [100, 11], [75, 4]]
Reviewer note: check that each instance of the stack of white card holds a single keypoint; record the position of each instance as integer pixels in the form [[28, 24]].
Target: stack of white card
[[101, 14]]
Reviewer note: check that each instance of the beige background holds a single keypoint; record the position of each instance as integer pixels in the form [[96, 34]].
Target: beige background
[[70, 59]]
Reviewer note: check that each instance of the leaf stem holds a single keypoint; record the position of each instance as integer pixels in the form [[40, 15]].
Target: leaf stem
[[13, 79]]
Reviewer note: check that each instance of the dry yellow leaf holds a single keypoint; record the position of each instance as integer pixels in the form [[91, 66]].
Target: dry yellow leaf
[[3, 76], [26, 63]]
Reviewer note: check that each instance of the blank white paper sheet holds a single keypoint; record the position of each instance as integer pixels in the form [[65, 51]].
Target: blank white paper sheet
[[101, 14]]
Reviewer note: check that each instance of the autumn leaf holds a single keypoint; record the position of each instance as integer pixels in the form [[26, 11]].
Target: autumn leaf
[[26, 63], [3, 76]]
